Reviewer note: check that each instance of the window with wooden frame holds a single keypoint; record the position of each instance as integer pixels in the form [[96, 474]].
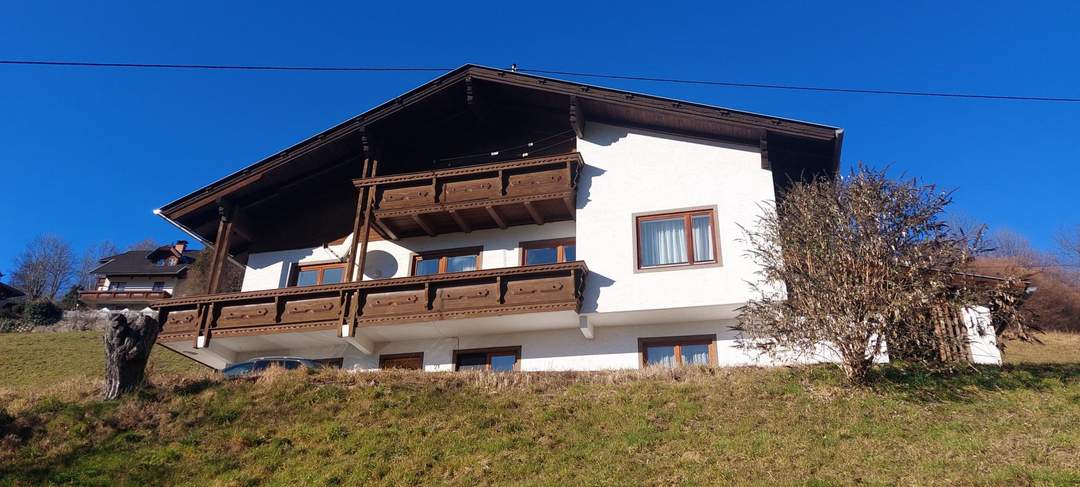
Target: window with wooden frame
[[501, 359], [446, 261], [548, 251], [158, 286], [680, 351], [675, 239], [316, 274]]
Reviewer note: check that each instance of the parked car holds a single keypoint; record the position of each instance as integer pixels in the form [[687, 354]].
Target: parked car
[[257, 365]]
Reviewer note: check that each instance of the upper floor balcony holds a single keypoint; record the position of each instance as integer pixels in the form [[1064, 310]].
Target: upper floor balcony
[[522, 192]]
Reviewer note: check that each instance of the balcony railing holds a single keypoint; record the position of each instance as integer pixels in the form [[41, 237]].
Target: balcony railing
[[491, 292], [122, 296], [527, 191]]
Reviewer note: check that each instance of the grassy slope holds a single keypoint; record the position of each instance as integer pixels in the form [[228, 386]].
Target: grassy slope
[[1056, 348], [43, 359], [1017, 425]]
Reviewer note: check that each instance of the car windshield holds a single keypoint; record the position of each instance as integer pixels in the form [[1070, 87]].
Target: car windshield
[[240, 369]]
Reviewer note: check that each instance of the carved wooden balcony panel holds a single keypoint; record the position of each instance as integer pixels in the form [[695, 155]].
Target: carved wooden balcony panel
[[491, 292], [524, 192]]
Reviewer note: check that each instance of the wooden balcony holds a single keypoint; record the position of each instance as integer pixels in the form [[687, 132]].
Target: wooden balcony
[[122, 296], [491, 292], [523, 192]]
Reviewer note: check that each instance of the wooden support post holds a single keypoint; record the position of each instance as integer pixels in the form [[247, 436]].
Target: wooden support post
[[368, 215], [221, 246], [361, 211]]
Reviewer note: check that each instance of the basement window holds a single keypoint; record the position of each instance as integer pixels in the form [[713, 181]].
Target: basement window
[[681, 351], [505, 359]]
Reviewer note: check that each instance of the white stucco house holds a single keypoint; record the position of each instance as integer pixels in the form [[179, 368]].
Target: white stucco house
[[130, 281], [492, 219]]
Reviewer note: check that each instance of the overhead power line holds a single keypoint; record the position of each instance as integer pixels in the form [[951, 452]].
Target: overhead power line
[[730, 84]]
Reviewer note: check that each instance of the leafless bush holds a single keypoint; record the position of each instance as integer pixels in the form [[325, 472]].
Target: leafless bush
[[853, 263]]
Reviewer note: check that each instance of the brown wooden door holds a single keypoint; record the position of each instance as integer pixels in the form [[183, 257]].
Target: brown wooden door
[[411, 361]]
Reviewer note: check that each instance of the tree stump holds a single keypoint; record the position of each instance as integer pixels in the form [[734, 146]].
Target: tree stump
[[127, 348]]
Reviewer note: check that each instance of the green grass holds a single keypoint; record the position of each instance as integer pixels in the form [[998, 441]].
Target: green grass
[[789, 426], [1056, 348], [44, 359]]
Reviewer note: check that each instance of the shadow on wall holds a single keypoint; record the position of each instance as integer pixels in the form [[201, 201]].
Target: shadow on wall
[[585, 180], [593, 282]]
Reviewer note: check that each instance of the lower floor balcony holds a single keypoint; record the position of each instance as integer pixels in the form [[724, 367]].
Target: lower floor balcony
[[364, 312]]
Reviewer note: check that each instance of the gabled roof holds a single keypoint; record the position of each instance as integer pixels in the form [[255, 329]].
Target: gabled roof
[[141, 263], [696, 114], [8, 292]]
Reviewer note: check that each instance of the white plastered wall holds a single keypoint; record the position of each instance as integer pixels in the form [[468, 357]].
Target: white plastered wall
[[611, 348], [386, 259], [631, 171]]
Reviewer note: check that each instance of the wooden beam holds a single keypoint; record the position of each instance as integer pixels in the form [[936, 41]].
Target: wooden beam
[[470, 98], [577, 117], [763, 144], [221, 246], [423, 224], [461, 223], [358, 222], [368, 216], [536, 216], [385, 228], [495, 216], [568, 202]]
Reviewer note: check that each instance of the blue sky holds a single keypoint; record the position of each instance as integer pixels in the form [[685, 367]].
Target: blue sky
[[89, 153]]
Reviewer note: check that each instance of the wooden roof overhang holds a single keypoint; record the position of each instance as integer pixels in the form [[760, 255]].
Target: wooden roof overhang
[[470, 110]]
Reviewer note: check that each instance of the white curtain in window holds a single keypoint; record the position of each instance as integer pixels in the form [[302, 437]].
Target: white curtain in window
[[703, 249], [663, 242], [695, 354], [662, 355]]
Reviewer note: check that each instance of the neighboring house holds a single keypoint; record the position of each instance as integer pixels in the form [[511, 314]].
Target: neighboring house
[[10, 296], [134, 279], [491, 219]]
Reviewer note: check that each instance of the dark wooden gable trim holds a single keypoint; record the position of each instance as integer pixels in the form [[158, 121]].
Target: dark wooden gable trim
[[252, 173]]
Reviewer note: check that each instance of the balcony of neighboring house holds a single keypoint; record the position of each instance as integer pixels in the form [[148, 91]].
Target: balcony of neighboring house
[[379, 310], [118, 292], [527, 191]]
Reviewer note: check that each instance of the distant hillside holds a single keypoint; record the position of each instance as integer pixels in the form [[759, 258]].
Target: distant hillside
[[1020, 425]]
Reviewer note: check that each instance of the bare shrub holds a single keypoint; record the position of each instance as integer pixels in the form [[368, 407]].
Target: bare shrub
[[853, 263]]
